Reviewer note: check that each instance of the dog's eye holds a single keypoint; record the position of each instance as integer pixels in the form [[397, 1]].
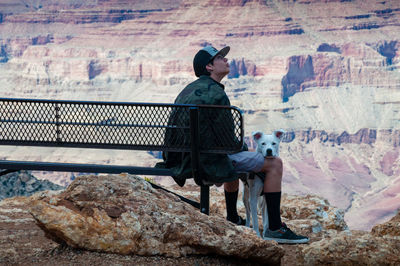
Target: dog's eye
[[273, 143], [263, 143]]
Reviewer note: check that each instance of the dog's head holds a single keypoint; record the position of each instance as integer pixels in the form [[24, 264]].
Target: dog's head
[[268, 145]]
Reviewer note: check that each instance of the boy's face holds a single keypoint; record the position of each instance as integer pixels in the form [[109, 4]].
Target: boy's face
[[219, 66]]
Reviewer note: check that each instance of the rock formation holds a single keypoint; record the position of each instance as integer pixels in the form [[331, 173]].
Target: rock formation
[[380, 247], [23, 183], [124, 214], [390, 228], [352, 249]]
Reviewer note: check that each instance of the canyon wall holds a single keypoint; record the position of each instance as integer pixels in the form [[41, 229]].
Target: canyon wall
[[325, 71]]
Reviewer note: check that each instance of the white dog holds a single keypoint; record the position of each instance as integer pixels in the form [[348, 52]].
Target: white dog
[[267, 145]]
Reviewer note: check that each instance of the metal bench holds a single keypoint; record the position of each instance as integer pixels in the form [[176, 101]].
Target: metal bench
[[118, 125]]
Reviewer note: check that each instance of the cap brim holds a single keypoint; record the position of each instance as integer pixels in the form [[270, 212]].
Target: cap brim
[[224, 51]]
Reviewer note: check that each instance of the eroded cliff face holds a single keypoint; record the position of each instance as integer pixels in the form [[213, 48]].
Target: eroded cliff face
[[369, 64], [325, 71]]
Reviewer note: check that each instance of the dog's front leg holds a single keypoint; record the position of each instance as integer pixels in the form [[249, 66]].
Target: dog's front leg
[[253, 208], [246, 202], [262, 205], [264, 215]]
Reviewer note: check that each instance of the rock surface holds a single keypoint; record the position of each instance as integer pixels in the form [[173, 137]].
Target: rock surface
[[22, 242], [352, 249], [123, 214], [333, 244], [309, 215], [23, 183], [390, 228]]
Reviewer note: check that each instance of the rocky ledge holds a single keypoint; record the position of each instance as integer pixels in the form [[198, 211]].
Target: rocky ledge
[[123, 214]]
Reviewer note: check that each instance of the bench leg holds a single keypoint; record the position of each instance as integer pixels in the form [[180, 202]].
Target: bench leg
[[205, 199]]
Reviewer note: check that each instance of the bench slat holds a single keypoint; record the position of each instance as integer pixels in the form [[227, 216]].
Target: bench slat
[[84, 168]]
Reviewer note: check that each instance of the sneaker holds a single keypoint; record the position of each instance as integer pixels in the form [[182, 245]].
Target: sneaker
[[285, 236], [240, 221]]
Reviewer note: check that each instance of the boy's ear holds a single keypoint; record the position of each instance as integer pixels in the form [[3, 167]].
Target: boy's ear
[[209, 67], [279, 133], [257, 135]]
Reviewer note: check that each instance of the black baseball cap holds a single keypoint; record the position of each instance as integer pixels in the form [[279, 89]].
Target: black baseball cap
[[205, 56]]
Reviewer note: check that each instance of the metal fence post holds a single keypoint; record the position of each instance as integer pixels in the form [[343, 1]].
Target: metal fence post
[[195, 158], [58, 129], [205, 199]]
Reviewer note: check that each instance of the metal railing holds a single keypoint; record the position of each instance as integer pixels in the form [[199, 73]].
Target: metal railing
[[113, 125]]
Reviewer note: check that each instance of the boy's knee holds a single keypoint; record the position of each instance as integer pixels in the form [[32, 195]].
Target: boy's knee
[[277, 163], [274, 164]]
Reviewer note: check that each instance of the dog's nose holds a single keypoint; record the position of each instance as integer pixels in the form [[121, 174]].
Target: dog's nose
[[269, 152]]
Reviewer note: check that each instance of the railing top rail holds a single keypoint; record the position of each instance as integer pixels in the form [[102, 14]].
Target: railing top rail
[[2, 99]]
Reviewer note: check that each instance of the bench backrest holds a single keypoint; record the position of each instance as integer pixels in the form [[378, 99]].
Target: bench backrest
[[113, 125]]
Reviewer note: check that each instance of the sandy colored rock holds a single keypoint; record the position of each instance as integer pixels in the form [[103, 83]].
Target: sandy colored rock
[[390, 228], [123, 214], [380, 247], [330, 246], [22, 242], [357, 248], [308, 215], [312, 207]]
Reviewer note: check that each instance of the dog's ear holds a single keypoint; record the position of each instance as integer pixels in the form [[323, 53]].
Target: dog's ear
[[279, 133], [257, 135]]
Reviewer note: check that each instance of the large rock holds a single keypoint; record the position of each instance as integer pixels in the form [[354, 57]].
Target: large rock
[[308, 215], [124, 214], [380, 247], [390, 228], [321, 216], [352, 249]]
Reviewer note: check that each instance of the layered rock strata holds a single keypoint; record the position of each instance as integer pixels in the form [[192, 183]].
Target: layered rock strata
[[19, 234], [350, 63], [364, 135]]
